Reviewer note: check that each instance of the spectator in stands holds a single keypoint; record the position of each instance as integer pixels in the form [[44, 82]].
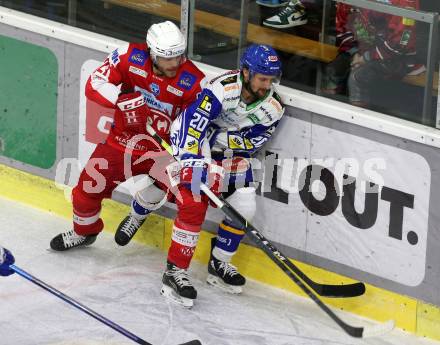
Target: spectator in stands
[[293, 14], [373, 46]]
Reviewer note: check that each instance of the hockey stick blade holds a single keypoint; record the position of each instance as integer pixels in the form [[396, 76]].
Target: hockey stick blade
[[335, 291], [378, 330], [192, 342], [325, 290], [369, 331]]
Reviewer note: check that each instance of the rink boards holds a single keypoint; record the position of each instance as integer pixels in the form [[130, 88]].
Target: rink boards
[[347, 190]]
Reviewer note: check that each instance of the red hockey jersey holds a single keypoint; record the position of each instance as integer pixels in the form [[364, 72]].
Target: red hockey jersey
[[130, 68]]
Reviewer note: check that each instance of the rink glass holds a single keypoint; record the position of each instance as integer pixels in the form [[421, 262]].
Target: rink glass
[[219, 31]]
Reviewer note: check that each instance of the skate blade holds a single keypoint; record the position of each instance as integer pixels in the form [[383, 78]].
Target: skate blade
[[171, 295], [218, 283]]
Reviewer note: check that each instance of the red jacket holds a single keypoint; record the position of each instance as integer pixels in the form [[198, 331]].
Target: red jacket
[[130, 68], [376, 35]]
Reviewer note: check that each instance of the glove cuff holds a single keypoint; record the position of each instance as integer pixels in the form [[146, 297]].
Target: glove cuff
[[130, 102]]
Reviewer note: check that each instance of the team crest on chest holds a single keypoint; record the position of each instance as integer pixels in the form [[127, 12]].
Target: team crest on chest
[[160, 122], [155, 89]]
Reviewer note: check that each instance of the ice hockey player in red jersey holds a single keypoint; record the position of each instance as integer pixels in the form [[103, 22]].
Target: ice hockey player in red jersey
[[146, 83], [372, 46]]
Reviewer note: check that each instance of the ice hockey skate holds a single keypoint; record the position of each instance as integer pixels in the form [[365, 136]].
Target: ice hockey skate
[[223, 275], [177, 286], [127, 229], [70, 239]]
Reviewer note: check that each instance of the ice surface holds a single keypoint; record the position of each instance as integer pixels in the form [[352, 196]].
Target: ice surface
[[123, 283]]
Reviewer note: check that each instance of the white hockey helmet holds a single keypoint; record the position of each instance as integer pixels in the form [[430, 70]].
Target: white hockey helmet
[[165, 40]]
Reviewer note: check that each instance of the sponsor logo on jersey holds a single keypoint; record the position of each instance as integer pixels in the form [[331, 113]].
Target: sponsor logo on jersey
[[129, 143], [212, 81], [156, 77], [115, 57], [253, 118], [138, 57], [276, 104], [248, 144], [231, 99], [194, 133], [138, 71], [266, 113], [206, 104], [155, 89], [229, 80], [186, 80], [175, 91], [258, 141], [235, 142], [192, 146], [232, 87], [230, 117], [154, 103]]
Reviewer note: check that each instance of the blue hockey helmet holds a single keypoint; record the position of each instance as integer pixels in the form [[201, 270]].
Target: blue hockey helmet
[[260, 58]]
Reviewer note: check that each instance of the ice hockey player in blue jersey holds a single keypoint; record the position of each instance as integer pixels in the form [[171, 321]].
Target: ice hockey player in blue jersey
[[235, 114], [6, 260]]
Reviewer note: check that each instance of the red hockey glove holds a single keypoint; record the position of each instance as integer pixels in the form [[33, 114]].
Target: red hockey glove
[[131, 112]]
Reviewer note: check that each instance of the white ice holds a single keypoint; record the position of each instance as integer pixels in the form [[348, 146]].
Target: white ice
[[123, 284]]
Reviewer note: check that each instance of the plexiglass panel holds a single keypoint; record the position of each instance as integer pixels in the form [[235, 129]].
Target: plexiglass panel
[[350, 53]]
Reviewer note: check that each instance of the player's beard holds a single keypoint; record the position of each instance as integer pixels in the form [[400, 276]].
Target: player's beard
[[261, 93], [258, 94], [169, 73]]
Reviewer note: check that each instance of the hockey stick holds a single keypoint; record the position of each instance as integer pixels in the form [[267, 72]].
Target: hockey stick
[[325, 290], [282, 261], [85, 309]]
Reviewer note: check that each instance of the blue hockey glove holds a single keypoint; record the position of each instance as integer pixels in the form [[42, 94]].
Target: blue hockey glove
[[6, 259]]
